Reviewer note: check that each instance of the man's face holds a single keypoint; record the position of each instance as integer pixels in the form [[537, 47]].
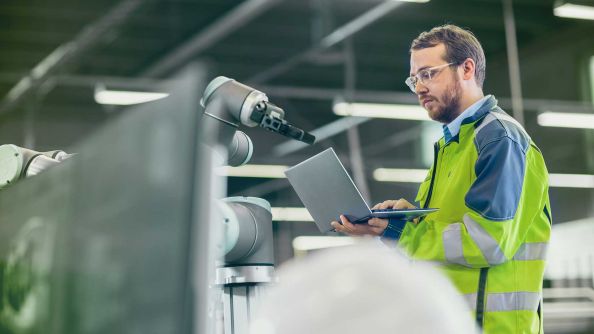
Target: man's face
[[441, 95]]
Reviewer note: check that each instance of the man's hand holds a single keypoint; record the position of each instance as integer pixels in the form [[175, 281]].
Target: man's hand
[[397, 204], [374, 226]]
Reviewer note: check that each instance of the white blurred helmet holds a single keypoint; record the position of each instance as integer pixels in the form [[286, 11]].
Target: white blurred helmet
[[361, 289]]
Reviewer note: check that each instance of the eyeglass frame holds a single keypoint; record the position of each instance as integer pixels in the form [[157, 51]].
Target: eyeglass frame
[[413, 84]]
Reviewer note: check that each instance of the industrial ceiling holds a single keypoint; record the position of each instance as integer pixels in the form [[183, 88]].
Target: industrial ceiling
[[304, 54]]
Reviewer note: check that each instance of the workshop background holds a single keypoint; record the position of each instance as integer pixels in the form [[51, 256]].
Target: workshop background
[[308, 55]]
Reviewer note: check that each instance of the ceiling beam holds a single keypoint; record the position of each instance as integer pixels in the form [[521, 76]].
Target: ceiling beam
[[238, 17], [513, 61], [67, 52], [337, 36]]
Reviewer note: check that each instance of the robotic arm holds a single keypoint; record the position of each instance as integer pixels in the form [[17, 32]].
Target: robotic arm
[[241, 104], [229, 104], [17, 162], [248, 245]]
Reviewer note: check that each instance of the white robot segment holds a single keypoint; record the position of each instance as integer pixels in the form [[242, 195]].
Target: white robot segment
[[249, 259], [364, 288], [17, 162], [229, 104], [251, 108], [248, 263]]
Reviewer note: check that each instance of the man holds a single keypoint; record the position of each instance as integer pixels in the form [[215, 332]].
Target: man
[[489, 182]]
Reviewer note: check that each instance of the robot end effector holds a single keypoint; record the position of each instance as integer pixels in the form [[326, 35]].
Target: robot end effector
[[17, 162], [242, 104]]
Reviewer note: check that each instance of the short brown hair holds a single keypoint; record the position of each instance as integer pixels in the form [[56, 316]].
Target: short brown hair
[[459, 44]]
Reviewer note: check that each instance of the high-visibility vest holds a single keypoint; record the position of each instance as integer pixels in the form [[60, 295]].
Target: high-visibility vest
[[492, 229]]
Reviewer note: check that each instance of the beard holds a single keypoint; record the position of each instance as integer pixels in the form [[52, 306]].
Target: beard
[[449, 108]]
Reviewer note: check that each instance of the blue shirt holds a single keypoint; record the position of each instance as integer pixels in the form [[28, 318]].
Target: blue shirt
[[453, 128]]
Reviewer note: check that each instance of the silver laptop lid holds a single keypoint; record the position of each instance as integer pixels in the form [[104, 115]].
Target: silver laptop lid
[[326, 189]]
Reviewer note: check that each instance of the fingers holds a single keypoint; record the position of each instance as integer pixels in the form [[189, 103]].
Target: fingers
[[384, 205], [350, 227], [374, 226], [394, 204], [338, 227], [358, 229], [378, 223], [403, 204], [345, 226]]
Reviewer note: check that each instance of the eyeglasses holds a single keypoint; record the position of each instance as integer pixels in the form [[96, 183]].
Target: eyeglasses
[[424, 76]]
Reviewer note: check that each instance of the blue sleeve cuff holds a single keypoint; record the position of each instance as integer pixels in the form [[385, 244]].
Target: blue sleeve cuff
[[394, 229]]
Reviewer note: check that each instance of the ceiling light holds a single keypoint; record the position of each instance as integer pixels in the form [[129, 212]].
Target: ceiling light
[[291, 215], [125, 98], [262, 171], [304, 243], [566, 120], [400, 175], [419, 175], [381, 110], [571, 180], [574, 11]]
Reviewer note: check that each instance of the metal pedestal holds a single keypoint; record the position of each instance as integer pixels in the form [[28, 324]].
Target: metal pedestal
[[242, 287]]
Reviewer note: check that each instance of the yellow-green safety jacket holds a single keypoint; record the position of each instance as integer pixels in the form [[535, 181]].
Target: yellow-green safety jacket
[[491, 232]]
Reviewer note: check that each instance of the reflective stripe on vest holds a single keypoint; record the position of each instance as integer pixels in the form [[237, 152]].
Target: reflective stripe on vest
[[500, 116], [507, 301], [531, 251], [485, 242], [452, 243]]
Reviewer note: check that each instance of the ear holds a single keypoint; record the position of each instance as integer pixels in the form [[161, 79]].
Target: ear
[[468, 68]]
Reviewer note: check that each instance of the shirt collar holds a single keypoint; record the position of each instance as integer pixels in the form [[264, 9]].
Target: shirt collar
[[452, 129]]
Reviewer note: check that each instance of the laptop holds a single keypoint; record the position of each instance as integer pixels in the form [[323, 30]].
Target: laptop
[[327, 191]]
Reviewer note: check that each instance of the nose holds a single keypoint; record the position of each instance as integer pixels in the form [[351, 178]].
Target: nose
[[420, 88]]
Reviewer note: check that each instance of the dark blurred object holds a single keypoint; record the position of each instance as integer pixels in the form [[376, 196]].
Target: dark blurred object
[[117, 240]]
